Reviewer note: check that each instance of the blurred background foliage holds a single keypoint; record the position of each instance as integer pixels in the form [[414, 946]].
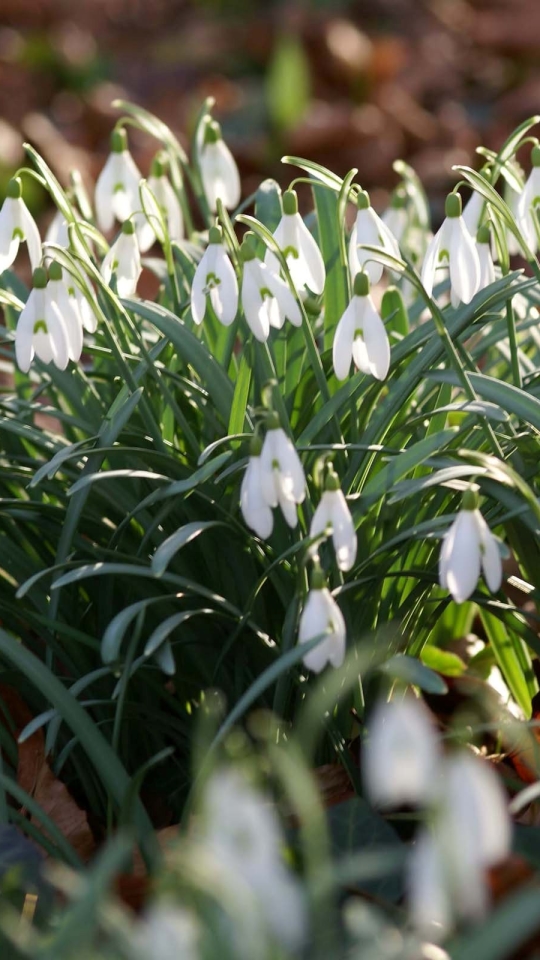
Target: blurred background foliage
[[345, 83]]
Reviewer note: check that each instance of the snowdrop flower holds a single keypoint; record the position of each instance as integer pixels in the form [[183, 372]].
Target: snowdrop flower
[[215, 281], [454, 247], [124, 260], [369, 229], [220, 177], [322, 616], [333, 517], [41, 330], [165, 932], [58, 231], [282, 477], [528, 204], [68, 308], [303, 256], [266, 299], [117, 187], [16, 224], [240, 831], [468, 548], [401, 755], [485, 258], [361, 336], [470, 832], [395, 218], [255, 509], [160, 185]]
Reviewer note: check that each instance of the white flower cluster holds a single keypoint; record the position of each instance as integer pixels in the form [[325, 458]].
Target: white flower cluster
[[467, 827]]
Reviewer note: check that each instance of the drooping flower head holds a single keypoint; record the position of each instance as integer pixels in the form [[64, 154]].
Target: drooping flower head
[[361, 336], [468, 548], [283, 482], [41, 330], [117, 187], [17, 225], [267, 300], [303, 256], [333, 518], [215, 282], [321, 616], [369, 229], [454, 248], [160, 185], [123, 260], [220, 177]]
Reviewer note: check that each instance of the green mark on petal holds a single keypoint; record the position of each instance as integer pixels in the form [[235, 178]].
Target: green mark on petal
[[17, 233], [265, 292], [118, 188], [291, 252], [40, 326], [443, 255]]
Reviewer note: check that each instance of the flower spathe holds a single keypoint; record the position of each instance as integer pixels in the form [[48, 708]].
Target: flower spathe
[[333, 517], [321, 616], [371, 230], [219, 172], [41, 330], [124, 260], [469, 548], [266, 299], [300, 249], [453, 247], [282, 478], [361, 336], [401, 754], [215, 282], [17, 225]]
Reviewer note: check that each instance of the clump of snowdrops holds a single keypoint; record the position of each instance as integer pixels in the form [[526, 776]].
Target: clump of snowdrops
[[309, 454]]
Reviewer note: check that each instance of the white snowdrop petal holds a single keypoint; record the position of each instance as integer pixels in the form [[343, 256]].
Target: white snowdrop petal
[[342, 348], [228, 287], [427, 896], [312, 257], [31, 233], [24, 334], [252, 302], [402, 754], [376, 340], [198, 287], [475, 805], [58, 337], [322, 518], [464, 265], [256, 512], [320, 616], [472, 212], [343, 533], [463, 564], [287, 304], [490, 554], [104, 192], [431, 261], [290, 463]]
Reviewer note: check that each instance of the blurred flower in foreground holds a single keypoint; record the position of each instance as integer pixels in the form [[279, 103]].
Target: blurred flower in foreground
[[401, 755], [470, 831], [361, 336], [454, 247], [469, 547], [267, 300], [166, 932], [303, 256], [17, 224], [215, 280], [41, 330], [333, 518], [124, 260], [369, 229], [321, 617], [220, 177], [242, 835]]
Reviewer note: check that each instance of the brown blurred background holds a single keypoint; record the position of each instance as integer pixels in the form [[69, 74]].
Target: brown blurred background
[[345, 83]]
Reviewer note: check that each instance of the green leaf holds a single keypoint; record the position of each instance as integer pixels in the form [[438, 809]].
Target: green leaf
[[442, 661], [410, 670], [504, 644], [167, 550]]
